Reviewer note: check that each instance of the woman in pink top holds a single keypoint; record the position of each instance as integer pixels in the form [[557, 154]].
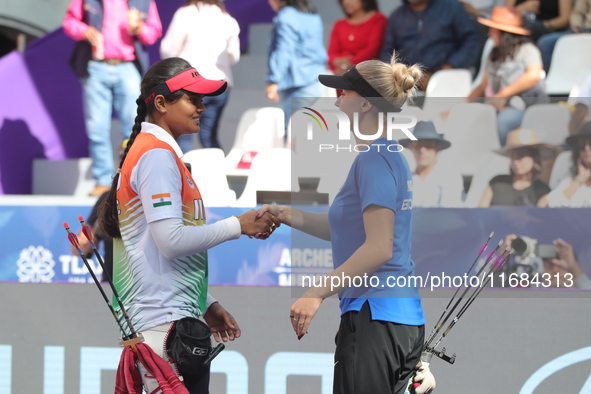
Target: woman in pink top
[[357, 37]]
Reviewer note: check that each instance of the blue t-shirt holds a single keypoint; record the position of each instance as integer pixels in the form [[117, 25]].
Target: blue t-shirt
[[378, 177]]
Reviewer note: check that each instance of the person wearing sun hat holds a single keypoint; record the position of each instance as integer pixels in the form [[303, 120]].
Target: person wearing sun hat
[[522, 186], [433, 184], [512, 78], [575, 190]]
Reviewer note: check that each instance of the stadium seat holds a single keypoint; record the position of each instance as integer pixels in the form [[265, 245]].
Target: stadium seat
[[270, 171], [449, 83], [571, 61], [258, 129], [446, 88], [560, 169], [549, 121], [575, 93], [488, 46], [209, 172], [472, 130], [75, 177]]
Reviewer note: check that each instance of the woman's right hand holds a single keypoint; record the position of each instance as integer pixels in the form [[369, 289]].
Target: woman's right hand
[[281, 212], [253, 224]]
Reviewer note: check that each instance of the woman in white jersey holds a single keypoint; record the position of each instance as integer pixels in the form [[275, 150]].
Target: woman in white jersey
[[381, 334], [155, 214]]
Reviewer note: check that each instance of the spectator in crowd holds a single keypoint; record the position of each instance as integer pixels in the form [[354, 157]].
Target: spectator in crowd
[[575, 191], [563, 269], [296, 54], [433, 185], [436, 33], [213, 57], [480, 9], [521, 186], [357, 37], [580, 22], [543, 16], [109, 58], [566, 263], [512, 69]]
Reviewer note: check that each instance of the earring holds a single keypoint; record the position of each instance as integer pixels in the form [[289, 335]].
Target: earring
[[163, 111]]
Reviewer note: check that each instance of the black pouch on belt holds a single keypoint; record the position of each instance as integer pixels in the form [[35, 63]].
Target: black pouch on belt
[[189, 345]]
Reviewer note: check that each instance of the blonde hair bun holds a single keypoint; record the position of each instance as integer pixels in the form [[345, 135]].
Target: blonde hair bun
[[395, 81]]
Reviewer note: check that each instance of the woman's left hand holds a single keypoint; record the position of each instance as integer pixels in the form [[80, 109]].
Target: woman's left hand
[[222, 323], [302, 312]]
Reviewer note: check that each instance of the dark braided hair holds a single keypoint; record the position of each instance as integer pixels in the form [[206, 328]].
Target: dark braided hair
[[160, 72]]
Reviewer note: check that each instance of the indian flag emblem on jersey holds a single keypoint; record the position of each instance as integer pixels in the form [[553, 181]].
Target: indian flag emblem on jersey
[[161, 200]]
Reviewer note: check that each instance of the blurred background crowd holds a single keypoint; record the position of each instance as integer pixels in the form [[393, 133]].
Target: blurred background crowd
[[503, 109]]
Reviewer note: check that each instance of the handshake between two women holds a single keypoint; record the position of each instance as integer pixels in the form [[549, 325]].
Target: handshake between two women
[[257, 224]]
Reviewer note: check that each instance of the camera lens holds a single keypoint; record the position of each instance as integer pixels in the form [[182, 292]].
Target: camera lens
[[519, 245]]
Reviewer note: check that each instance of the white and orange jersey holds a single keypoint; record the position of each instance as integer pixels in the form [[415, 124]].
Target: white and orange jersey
[[155, 184]]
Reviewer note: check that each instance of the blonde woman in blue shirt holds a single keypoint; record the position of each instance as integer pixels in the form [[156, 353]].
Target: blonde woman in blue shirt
[[381, 333]]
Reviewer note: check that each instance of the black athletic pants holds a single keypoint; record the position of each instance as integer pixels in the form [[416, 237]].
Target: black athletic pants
[[373, 356], [198, 384]]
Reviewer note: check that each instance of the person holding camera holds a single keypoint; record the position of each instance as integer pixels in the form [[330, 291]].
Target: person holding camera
[[564, 263], [155, 214], [557, 262], [575, 191], [522, 186]]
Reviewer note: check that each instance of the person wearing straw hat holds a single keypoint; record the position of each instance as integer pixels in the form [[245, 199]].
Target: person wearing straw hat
[[513, 69], [433, 185], [521, 186], [575, 191]]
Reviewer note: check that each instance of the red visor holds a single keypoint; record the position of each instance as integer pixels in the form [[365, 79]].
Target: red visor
[[191, 81]]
